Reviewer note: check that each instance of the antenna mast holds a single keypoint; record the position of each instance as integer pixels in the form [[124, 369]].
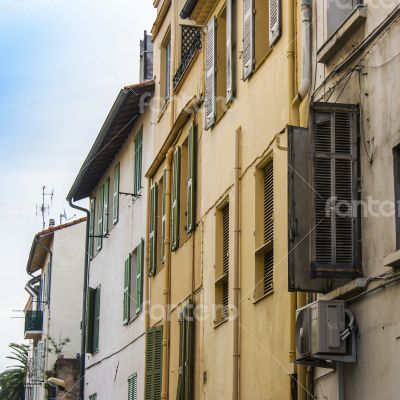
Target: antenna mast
[[45, 208]]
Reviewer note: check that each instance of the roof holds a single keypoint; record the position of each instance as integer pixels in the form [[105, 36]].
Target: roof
[[198, 11], [41, 241], [113, 134]]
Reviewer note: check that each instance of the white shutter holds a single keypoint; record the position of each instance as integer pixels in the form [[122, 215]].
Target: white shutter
[[229, 51], [248, 38], [210, 101], [274, 21]]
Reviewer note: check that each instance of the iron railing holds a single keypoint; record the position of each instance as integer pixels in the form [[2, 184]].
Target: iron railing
[[33, 321]]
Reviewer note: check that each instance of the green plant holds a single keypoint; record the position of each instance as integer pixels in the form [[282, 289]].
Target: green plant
[[56, 347], [12, 380]]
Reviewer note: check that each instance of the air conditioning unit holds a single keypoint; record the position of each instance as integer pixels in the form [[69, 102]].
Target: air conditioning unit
[[324, 331]]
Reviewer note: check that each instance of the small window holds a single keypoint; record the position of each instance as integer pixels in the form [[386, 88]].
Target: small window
[[93, 320], [337, 12], [264, 230], [137, 174], [132, 387], [222, 263]]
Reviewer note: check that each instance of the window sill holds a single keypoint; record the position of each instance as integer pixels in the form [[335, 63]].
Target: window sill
[[217, 324], [264, 296], [392, 260], [338, 39]]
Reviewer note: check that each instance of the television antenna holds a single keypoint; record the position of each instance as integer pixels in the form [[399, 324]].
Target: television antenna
[[63, 216], [44, 209]]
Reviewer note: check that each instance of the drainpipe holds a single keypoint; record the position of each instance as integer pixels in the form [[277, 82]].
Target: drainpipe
[[29, 286], [85, 289], [236, 271], [306, 13], [167, 273], [147, 262]]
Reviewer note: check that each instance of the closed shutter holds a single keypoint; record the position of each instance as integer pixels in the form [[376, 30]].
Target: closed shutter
[[268, 226], [225, 261], [153, 364], [91, 226], [153, 229], [96, 334], [127, 290], [106, 197], [163, 217], [274, 21], [139, 276], [40, 363], [191, 183], [335, 238], [229, 50], [175, 198], [100, 220], [210, 65], [90, 304], [115, 205], [248, 38], [137, 186], [132, 387]]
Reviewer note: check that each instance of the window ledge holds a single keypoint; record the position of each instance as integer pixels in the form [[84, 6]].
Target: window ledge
[[337, 40], [221, 322], [259, 298], [392, 260]]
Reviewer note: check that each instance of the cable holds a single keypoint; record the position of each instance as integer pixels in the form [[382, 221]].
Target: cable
[[384, 64]]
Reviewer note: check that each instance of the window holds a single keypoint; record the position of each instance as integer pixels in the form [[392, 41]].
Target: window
[[163, 217], [92, 225], [264, 230], [396, 163], [335, 239], [191, 179], [153, 228], [106, 198], [152, 390], [137, 180], [100, 211], [166, 67], [261, 30], [133, 283], [93, 396], [176, 181], [230, 45], [222, 263], [132, 387], [186, 354], [115, 203], [337, 12], [49, 271], [93, 320]]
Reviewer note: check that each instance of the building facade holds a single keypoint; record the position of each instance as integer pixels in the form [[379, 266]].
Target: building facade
[[53, 329]]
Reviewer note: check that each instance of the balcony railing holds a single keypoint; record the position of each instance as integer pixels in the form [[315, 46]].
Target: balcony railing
[[33, 324], [187, 59]]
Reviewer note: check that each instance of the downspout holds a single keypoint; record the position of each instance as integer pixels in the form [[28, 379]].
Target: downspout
[[147, 262], [85, 289], [236, 271], [167, 273]]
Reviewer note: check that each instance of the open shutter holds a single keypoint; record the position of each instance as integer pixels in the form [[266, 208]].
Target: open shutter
[[300, 197], [100, 220], [210, 65], [96, 321], [191, 183], [181, 378], [175, 198], [127, 290], [163, 218], [229, 50], [115, 205], [90, 303], [106, 197], [139, 276], [132, 387], [153, 229], [248, 38], [335, 246], [274, 21], [137, 184], [91, 226]]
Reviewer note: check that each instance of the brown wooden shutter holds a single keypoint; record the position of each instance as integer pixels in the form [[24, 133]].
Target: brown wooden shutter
[[248, 57], [225, 260], [274, 21], [268, 226]]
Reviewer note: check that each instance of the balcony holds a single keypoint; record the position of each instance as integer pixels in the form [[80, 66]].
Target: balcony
[[188, 57], [33, 324]]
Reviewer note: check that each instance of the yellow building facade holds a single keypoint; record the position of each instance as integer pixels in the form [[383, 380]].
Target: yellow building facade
[[220, 320]]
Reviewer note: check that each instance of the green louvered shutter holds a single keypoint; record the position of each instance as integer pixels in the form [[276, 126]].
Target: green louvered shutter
[[175, 198], [106, 197], [153, 364], [93, 396], [139, 276], [181, 379], [92, 225], [90, 303], [96, 334], [132, 387], [153, 229], [163, 217], [137, 184], [115, 205], [127, 290], [191, 183], [158, 363], [100, 219]]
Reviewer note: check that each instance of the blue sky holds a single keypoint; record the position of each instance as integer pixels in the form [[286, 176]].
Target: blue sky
[[62, 65]]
